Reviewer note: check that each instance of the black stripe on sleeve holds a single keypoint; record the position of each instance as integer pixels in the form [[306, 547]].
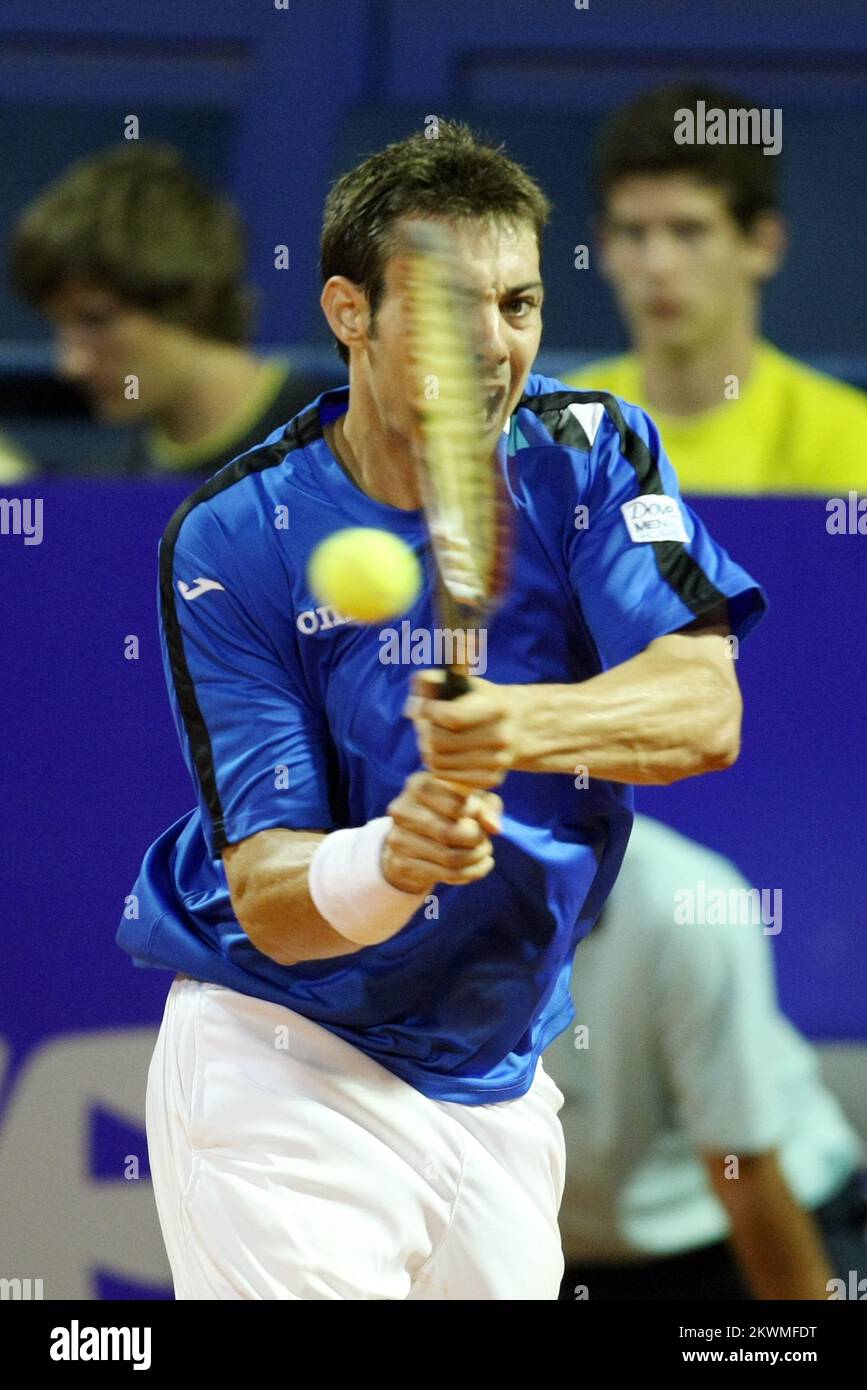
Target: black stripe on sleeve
[[303, 430], [675, 564], [553, 410]]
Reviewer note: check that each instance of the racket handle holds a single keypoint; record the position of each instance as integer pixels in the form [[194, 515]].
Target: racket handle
[[454, 685]]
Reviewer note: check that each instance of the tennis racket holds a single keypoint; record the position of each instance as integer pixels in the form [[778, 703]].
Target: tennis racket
[[463, 493]]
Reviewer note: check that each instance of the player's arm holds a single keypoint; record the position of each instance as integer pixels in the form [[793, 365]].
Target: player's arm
[[715, 1015], [438, 835], [666, 704], [776, 1242], [267, 876], [670, 712]]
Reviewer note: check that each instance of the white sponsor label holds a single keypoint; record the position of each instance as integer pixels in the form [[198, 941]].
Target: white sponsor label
[[654, 518]]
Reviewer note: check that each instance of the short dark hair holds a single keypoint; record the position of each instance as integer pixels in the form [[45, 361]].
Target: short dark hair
[[639, 139], [453, 175], [136, 220]]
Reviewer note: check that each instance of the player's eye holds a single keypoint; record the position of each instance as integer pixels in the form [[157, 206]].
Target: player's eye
[[519, 308], [630, 231], [688, 230]]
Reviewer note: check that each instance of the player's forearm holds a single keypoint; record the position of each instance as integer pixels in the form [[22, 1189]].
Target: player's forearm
[[775, 1241], [272, 899], [779, 1250], [288, 886], [660, 717]]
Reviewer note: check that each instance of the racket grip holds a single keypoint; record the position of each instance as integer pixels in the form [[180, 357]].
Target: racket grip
[[454, 685]]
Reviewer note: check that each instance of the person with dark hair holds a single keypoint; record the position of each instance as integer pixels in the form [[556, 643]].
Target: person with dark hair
[[139, 265], [690, 229], [410, 178], [371, 946]]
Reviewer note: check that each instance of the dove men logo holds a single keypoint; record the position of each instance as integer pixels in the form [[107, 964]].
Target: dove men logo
[[198, 586], [654, 517]]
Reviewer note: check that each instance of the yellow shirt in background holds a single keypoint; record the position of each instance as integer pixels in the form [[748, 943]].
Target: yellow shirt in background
[[792, 429], [15, 464]]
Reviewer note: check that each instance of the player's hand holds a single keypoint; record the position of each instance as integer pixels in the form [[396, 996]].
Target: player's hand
[[440, 834], [472, 740]]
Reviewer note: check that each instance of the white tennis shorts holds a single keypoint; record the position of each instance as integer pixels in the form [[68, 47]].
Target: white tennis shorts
[[288, 1164]]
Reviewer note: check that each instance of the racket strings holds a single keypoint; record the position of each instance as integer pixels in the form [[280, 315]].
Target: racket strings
[[461, 499]]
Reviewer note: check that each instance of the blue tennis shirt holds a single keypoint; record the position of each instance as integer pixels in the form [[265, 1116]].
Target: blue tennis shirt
[[289, 715]]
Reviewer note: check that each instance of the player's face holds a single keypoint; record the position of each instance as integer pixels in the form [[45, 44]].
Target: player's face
[[119, 356], [679, 263], [500, 264]]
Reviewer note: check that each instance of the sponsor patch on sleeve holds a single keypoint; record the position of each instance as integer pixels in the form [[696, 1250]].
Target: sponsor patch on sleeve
[[654, 518]]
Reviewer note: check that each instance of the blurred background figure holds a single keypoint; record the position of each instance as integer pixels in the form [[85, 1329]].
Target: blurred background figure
[[689, 234], [15, 465], [686, 1064], [139, 267]]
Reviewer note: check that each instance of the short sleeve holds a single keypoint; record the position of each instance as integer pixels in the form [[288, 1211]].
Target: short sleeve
[[640, 561], [718, 1016], [256, 747]]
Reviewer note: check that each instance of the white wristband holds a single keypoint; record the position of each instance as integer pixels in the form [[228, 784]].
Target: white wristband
[[349, 889]]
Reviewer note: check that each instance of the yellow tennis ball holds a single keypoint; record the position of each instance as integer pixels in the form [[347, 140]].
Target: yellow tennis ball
[[369, 575]]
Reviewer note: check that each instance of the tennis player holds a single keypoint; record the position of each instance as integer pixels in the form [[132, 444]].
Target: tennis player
[[371, 945]]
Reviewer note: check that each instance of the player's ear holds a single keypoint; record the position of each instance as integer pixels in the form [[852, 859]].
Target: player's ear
[[768, 244], [344, 305]]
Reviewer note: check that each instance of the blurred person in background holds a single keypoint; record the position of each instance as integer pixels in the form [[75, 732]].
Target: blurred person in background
[[140, 268], [15, 464], [689, 234], [687, 1063]]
